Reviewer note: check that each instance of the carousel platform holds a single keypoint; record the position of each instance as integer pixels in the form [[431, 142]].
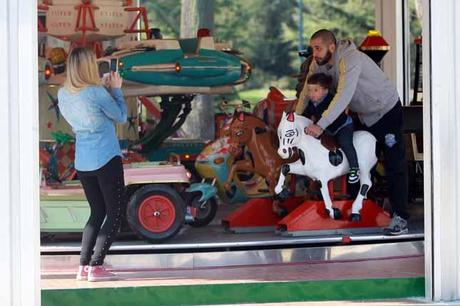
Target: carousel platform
[[209, 266], [348, 272]]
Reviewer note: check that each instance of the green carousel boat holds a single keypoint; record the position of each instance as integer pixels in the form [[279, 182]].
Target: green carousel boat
[[176, 66]]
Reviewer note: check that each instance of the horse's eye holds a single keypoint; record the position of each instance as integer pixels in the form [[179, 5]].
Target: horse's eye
[[239, 133], [290, 133]]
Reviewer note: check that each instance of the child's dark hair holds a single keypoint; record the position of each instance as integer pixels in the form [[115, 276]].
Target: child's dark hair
[[320, 79]]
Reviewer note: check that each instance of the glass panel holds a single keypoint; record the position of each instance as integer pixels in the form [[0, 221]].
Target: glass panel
[[415, 24]]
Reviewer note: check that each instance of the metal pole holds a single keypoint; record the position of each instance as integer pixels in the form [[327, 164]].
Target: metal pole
[[300, 27]]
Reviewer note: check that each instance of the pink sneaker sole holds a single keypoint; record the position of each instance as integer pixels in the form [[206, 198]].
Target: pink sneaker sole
[[102, 278]]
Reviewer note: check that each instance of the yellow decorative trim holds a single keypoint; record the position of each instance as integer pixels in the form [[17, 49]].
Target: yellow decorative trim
[[375, 48], [373, 33]]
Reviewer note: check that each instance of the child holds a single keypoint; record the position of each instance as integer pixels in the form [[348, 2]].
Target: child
[[319, 85]]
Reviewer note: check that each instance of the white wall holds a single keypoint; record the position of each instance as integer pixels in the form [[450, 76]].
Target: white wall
[[19, 202], [389, 21], [441, 49]]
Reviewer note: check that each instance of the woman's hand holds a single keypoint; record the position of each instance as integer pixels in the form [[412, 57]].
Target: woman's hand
[[106, 80], [115, 80]]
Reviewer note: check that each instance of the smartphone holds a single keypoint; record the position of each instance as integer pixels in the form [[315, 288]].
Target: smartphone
[[113, 64]]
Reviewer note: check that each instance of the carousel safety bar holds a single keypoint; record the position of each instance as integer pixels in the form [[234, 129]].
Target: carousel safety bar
[[237, 243]]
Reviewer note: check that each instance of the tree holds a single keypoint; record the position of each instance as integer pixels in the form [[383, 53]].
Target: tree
[[197, 14], [164, 14], [266, 31], [346, 18], [257, 28]]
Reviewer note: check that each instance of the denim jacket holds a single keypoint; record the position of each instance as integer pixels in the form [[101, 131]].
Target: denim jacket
[[92, 112]]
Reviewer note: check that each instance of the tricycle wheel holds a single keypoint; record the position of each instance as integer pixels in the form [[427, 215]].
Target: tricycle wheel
[[155, 212], [205, 212]]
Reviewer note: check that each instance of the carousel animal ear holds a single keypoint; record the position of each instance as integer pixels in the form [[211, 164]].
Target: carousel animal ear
[[241, 116], [290, 117]]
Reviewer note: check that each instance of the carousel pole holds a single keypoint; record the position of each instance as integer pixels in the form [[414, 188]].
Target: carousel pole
[[19, 179]]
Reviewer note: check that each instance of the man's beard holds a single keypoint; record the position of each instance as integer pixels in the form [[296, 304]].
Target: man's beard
[[325, 60]]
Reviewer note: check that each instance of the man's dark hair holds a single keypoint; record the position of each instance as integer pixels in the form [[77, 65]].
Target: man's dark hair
[[325, 35], [320, 79]]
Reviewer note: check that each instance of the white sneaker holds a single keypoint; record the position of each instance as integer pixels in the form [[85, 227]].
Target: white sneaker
[[82, 273], [398, 226]]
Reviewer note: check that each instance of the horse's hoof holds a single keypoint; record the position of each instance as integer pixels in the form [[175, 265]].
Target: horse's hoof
[[281, 212], [355, 217], [337, 213], [284, 194]]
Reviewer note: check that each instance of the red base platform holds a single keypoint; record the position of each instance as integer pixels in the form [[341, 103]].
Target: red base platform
[[257, 215], [311, 218]]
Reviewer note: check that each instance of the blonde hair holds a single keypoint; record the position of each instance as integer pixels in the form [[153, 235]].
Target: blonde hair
[[82, 70]]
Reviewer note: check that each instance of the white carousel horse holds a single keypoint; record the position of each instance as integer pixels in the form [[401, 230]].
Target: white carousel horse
[[314, 160]]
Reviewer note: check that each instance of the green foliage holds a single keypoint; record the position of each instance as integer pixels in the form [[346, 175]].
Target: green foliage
[[346, 18], [164, 14], [267, 31]]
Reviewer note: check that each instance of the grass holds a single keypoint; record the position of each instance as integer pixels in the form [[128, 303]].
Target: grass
[[255, 95]]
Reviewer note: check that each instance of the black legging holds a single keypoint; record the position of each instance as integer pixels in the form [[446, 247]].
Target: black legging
[[105, 192]]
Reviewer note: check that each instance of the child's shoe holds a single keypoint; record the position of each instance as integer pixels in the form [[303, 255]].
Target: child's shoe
[[353, 175], [99, 273]]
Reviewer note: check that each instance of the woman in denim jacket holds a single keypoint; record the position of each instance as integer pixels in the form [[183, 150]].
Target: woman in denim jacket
[[92, 107]]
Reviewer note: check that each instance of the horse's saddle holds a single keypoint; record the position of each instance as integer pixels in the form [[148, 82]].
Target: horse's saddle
[[335, 155]]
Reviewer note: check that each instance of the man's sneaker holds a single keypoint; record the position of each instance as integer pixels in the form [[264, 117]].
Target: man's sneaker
[[99, 273], [353, 175], [82, 273], [398, 226]]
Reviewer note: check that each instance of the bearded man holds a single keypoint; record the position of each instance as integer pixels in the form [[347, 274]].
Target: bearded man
[[361, 86]]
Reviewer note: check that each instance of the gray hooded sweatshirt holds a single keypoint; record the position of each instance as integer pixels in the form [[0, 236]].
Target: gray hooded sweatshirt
[[359, 84]]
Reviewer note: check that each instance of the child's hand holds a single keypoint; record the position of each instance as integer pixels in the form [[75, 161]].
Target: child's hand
[[115, 80], [314, 130]]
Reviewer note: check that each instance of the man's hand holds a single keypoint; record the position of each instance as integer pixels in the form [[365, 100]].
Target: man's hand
[[314, 130]]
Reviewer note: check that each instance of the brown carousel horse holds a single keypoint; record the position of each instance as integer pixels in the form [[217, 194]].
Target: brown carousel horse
[[261, 156]]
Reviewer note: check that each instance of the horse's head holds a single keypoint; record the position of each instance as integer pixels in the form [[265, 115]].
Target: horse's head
[[239, 132], [242, 127], [290, 129]]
